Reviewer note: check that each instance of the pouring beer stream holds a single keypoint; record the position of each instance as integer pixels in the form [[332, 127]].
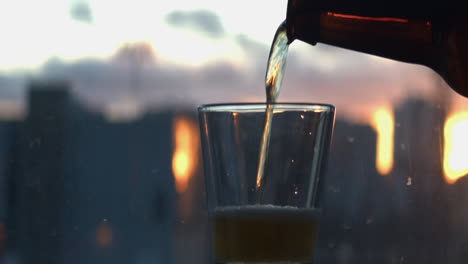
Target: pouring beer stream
[[273, 80]]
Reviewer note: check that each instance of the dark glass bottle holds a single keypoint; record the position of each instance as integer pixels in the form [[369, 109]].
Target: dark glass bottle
[[431, 34]]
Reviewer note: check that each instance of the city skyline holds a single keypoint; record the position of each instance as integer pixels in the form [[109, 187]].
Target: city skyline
[[83, 186]]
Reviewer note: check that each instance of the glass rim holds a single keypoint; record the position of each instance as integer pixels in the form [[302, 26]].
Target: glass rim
[[285, 106]]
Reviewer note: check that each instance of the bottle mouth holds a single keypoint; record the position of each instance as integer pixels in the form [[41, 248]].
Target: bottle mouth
[[302, 21]]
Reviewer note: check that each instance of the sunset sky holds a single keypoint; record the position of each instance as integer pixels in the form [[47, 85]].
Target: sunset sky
[[37, 30], [204, 51]]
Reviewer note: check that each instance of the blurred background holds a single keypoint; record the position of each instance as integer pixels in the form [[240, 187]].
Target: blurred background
[[99, 145]]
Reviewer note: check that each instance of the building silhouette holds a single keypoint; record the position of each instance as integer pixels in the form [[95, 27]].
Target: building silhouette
[[418, 162], [411, 215], [82, 189]]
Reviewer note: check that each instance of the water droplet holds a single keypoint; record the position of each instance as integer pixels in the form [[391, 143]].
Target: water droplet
[[409, 181], [350, 139], [302, 116], [292, 161], [310, 133], [296, 192]]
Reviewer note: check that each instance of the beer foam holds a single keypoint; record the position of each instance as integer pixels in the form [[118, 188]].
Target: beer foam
[[266, 210]]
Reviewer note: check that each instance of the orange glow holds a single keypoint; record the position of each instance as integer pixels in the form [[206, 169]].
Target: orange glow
[[104, 234], [456, 146], [185, 157], [383, 19], [384, 124]]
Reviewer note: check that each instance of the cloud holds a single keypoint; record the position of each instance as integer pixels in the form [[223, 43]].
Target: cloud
[[354, 85], [255, 51], [251, 46], [12, 85], [202, 21], [81, 12]]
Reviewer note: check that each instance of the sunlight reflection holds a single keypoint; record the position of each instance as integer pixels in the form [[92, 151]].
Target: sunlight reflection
[[383, 121], [185, 156], [455, 146]]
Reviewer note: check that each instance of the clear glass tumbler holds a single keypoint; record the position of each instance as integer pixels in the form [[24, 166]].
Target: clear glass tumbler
[[280, 225]]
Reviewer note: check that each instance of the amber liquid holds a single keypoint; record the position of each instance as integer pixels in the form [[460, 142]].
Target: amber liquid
[[273, 80], [265, 234]]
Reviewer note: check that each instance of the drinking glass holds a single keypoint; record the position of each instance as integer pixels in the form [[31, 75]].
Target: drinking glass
[[278, 221]]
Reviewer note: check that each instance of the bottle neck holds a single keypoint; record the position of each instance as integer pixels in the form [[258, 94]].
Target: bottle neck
[[408, 40]]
